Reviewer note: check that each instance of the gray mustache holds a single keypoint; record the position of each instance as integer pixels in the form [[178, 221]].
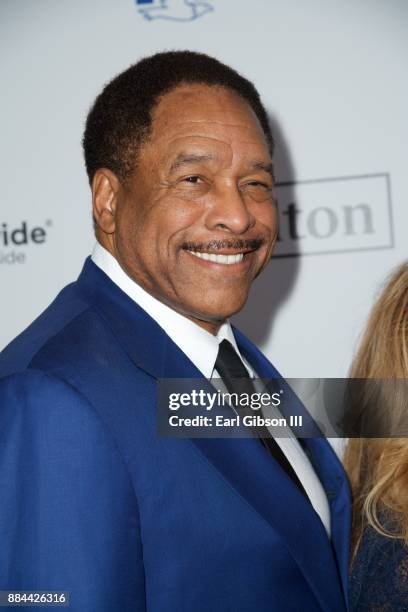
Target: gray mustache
[[214, 245]]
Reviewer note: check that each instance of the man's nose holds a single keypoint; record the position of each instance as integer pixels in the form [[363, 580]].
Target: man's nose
[[229, 211]]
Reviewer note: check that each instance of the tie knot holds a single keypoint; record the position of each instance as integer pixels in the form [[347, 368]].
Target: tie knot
[[229, 364]]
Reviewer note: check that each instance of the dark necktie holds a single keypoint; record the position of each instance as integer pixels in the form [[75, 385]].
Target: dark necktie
[[236, 379]]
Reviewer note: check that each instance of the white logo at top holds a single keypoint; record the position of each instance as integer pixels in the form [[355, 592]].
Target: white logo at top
[[173, 10]]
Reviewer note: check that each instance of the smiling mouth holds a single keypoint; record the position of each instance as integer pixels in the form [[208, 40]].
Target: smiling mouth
[[223, 252], [218, 258]]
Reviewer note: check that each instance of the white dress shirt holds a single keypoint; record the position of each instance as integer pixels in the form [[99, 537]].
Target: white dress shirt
[[201, 347]]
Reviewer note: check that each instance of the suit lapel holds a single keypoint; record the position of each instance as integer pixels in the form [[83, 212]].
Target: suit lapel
[[324, 460], [242, 462], [335, 483]]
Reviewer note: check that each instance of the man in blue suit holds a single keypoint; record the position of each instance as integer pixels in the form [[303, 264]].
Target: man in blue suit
[[93, 502]]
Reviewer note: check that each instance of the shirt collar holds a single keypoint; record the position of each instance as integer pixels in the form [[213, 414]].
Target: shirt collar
[[199, 346]]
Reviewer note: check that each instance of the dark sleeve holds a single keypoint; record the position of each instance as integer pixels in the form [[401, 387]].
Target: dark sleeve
[[379, 576], [68, 514]]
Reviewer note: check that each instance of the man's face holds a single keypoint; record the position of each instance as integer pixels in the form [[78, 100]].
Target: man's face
[[196, 221]]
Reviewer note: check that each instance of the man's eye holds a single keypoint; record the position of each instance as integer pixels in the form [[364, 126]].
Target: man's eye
[[259, 186], [193, 179], [257, 190]]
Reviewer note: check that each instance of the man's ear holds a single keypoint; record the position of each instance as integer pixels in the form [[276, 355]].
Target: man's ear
[[105, 189]]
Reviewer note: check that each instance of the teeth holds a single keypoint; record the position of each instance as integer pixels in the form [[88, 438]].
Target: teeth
[[221, 259]]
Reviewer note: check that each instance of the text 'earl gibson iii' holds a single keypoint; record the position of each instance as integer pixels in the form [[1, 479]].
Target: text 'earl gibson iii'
[[249, 420]]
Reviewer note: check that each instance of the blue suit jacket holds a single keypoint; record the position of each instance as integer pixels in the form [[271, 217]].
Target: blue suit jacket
[[95, 503]]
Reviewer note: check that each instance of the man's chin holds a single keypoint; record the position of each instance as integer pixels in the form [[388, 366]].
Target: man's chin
[[216, 313]]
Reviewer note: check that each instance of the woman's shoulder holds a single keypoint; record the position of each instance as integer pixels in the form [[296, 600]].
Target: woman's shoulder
[[379, 574]]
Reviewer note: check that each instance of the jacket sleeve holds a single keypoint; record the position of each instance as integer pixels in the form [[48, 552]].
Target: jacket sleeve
[[69, 519]]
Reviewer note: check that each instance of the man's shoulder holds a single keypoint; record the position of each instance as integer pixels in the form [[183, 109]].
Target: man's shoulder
[[67, 311], [93, 336]]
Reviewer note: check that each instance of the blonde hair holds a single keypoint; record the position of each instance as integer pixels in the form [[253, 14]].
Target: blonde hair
[[378, 467]]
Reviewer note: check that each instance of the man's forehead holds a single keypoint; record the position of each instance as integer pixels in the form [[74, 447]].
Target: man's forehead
[[212, 150], [188, 97], [207, 122], [208, 138], [196, 109]]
